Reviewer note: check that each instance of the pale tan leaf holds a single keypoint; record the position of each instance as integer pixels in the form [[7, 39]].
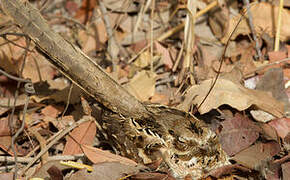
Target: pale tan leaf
[[235, 95], [142, 86]]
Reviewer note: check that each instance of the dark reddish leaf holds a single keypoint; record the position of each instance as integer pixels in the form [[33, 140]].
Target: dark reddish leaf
[[85, 12], [55, 173], [257, 155], [237, 134], [84, 134], [99, 156]]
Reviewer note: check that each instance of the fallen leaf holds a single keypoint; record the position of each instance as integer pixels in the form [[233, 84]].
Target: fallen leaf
[[228, 169], [160, 99], [7, 103], [143, 60], [273, 81], [153, 176], [268, 132], [83, 134], [51, 111], [4, 127], [286, 170], [42, 172], [261, 116], [142, 85], [100, 156], [233, 94], [61, 96], [263, 22], [71, 7], [121, 6], [237, 134], [282, 126], [106, 171], [38, 68], [85, 12], [5, 144], [55, 173], [257, 155], [165, 55]]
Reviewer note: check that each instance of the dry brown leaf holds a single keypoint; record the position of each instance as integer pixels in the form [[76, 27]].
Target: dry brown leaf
[[100, 156], [5, 144], [143, 60], [88, 41], [36, 64], [142, 85], [83, 134], [261, 116], [286, 170], [7, 103], [52, 111], [10, 54], [101, 32], [106, 171], [268, 132], [160, 99], [237, 134], [4, 127], [121, 6], [42, 171], [165, 55], [265, 18], [256, 155], [62, 96], [85, 12], [282, 126], [235, 95]]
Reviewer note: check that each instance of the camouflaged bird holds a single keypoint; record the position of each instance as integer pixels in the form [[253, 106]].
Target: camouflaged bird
[[186, 145]]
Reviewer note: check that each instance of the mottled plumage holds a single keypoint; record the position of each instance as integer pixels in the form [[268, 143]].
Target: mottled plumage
[[185, 143]]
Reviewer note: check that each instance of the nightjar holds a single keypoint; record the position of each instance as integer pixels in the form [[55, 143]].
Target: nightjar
[[186, 144]]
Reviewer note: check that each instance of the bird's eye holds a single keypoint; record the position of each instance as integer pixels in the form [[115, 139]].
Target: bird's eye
[[181, 140]]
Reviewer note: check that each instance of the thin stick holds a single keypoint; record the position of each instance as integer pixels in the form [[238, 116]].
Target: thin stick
[[61, 135], [221, 63], [175, 29], [113, 48], [9, 159], [144, 8], [277, 37], [151, 34], [265, 66], [250, 18], [189, 35]]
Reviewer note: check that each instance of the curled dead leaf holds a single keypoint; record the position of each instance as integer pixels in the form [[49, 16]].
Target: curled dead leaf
[[230, 93]]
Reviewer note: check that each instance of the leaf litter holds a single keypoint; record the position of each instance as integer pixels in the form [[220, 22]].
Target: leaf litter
[[252, 123]]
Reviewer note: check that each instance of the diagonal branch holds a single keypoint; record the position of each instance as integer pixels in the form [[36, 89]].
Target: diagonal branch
[[72, 62]]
